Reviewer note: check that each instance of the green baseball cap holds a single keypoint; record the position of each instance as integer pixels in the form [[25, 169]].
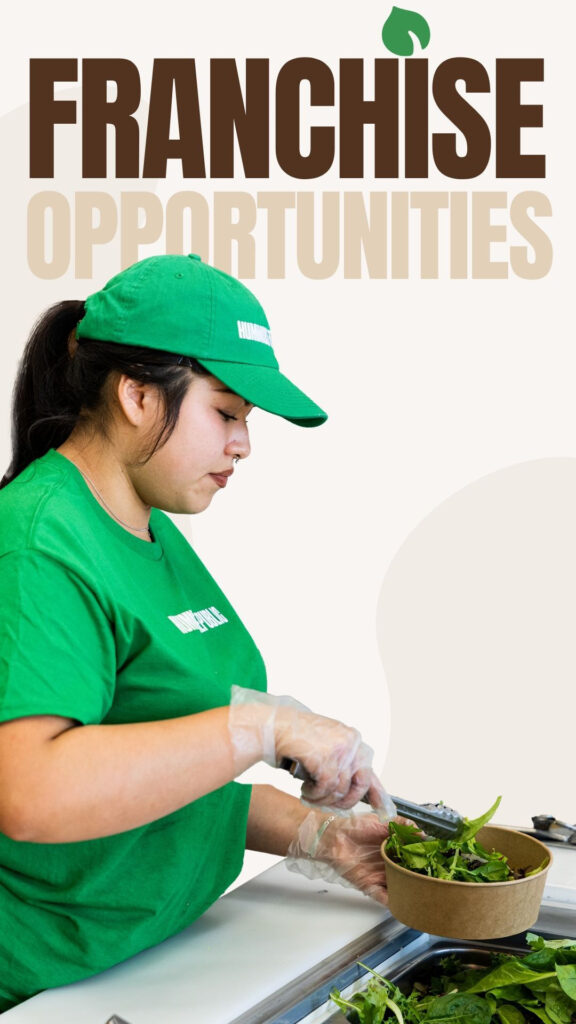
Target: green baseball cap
[[180, 305]]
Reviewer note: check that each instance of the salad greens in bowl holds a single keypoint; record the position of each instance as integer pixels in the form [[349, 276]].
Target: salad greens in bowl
[[460, 859], [487, 882]]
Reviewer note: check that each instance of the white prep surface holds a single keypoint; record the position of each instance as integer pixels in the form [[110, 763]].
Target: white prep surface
[[561, 882], [253, 941]]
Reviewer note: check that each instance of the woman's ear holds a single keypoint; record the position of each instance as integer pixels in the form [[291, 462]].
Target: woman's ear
[[138, 402]]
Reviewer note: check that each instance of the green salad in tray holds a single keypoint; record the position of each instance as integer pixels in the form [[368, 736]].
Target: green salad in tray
[[538, 987], [458, 859]]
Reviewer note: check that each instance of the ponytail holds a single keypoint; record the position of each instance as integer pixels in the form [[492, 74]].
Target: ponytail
[[44, 410], [61, 380]]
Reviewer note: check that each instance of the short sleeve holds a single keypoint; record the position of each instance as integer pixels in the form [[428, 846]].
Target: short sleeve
[[57, 650]]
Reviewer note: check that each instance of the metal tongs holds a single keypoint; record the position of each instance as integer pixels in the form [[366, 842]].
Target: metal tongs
[[435, 820]]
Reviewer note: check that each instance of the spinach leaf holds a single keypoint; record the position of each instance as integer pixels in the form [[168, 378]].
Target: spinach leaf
[[462, 1007], [512, 973], [509, 993], [469, 829], [493, 871], [541, 960], [510, 1014], [540, 1013], [567, 977], [559, 1007], [539, 942]]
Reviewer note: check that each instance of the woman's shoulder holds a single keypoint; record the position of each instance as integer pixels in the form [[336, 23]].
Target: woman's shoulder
[[48, 510], [37, 494]]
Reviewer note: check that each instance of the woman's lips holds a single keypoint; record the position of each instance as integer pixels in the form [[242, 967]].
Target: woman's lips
[[221, 479]]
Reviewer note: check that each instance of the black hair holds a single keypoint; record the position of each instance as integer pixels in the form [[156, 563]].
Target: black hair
[[61, 380]]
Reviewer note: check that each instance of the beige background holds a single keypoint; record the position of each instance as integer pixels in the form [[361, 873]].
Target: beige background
[[410, 566]]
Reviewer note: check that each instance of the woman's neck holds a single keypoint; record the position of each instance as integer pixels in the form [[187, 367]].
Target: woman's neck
[[106, 475]]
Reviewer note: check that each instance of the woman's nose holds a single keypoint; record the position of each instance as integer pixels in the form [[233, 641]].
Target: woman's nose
[[239, 445]]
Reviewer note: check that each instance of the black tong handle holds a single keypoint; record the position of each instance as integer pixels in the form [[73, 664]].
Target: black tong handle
[[435, 819]]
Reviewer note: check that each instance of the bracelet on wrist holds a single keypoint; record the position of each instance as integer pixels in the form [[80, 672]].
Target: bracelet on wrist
[[318, 837]]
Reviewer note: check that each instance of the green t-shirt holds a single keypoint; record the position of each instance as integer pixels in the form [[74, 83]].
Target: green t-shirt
[[103, 627]]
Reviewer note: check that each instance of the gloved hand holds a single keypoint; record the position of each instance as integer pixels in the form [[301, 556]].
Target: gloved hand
[[343, 849], [268, 728]]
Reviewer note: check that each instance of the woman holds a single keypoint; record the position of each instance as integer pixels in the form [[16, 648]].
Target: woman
[[120, 821]]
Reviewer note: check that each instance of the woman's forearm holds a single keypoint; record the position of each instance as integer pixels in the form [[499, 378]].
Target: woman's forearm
[[64, 782], [345, 849], [274, 820]]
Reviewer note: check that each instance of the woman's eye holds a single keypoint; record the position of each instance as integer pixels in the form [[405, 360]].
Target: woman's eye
[[226, 416]]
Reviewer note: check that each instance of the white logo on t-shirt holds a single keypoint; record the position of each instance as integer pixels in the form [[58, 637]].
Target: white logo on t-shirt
[[206, 618]]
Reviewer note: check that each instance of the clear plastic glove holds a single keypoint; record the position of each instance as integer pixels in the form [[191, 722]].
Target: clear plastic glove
[[343, 849], [339, 765]]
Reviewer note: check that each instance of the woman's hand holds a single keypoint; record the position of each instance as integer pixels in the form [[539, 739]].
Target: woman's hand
[[344, 849], [338, 764]]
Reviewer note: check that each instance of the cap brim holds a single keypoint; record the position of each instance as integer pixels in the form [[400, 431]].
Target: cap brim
[[267, 388]]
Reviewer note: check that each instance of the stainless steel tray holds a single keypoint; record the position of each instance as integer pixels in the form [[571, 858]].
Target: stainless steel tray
[[392, 949], [398, 953], [420, 963], [471, 956]]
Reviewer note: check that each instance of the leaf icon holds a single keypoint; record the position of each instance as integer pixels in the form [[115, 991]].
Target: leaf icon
[[397, 28]]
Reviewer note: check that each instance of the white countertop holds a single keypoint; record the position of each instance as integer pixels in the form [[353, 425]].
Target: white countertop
[[561, 882], [253, 941]]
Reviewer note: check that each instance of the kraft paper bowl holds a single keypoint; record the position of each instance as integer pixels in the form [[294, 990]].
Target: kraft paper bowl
[[473, 910]]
